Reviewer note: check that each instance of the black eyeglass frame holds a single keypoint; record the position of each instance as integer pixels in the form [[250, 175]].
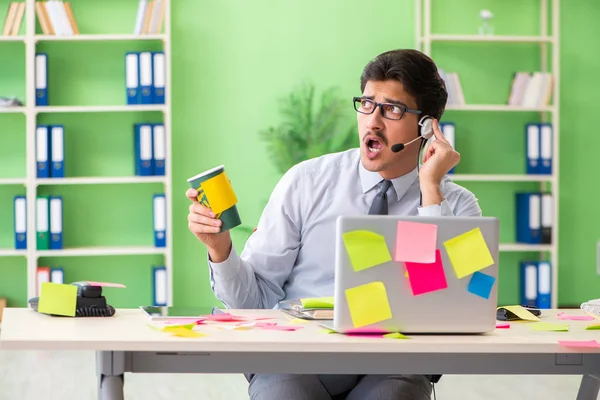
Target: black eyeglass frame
[[404, 108]]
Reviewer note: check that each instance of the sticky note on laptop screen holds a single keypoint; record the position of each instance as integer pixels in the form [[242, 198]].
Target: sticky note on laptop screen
[[368, 304], [366, 249], [415, 242], [425, 278], [468, 252], [58, 299]]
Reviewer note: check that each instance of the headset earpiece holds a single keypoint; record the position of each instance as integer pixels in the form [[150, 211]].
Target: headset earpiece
[[426, 127]]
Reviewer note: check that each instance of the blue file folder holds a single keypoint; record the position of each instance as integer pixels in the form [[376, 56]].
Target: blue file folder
[[159, 208], [57, 151], [143, 149], [57, 275], [532, 145], [529, 283], [41, 79], [159, 77], [42, 151], [544, 284], [20, 203], [146, 81], [159, 285], [528, 218], [545, 163], [56, 226], [158, 149], [132, 77]]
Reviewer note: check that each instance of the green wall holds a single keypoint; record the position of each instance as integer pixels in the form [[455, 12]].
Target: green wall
[[231, 63]]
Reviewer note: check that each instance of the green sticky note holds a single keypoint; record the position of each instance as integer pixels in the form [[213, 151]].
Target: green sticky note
[[395, 335], [592, 327], [58, 299], [546, 326], [366, 249], [317, 302], [468, 253]]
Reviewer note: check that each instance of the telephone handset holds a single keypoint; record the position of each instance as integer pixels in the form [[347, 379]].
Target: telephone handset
[[90, 302]]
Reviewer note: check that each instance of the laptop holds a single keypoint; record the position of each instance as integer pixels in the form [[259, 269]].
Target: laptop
[[380, 298]]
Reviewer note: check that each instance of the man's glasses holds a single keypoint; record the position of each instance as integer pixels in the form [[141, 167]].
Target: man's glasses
[[388, 110]]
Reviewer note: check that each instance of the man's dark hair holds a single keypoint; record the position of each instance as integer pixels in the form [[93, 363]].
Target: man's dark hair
[[417, 73]]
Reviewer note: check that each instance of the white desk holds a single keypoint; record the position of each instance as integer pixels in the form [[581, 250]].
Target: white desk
[[125, 343]]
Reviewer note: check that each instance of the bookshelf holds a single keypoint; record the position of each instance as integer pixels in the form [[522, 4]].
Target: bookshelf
[[112, 34], [546, 43]]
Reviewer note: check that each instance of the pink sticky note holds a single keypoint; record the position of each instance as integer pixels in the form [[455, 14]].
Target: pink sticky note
[[502, 326], [416, 242], [281, 328], [365, 329], [562, 315], [106, 284], [425, 278], [579, 343], [225, 317]]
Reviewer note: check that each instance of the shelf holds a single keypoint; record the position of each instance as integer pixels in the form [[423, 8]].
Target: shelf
[[101, 180], [13, 253], [12, 110], [496, 107], [100, 109], [98, 37], [492, 38], [525, 247], [12, 181], [500, 178], [103, 251], [12, 38]]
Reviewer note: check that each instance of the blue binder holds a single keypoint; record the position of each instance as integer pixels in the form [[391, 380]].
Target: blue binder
[[532, 145], [41, 79], [143, 149], [20, 203], [545, 163], [159, 219], [159, 77], [57, 275], [529, 283], [528, 218], [146, 81], [56, 226], [42, 151], [57, 151], [449, 131], [159, 286], [132, 77], [544, 284], [158, 149]]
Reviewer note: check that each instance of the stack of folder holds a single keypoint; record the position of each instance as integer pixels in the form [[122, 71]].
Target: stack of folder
[[536, 284], [49, 142], [539, 148], [534, 217], [150, 149], [49, 223], [145, 77]]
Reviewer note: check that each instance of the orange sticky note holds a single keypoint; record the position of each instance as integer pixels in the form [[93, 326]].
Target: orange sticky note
[[468, 253], [219, 192], [368, 304]]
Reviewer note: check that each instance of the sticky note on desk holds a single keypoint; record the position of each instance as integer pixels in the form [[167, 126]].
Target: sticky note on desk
[[317, 302], [521, 312], [468, 252], [425, 278], [546, 326], [416, 242], [368, 304], [58, 299], [579, 343], [366, 249]]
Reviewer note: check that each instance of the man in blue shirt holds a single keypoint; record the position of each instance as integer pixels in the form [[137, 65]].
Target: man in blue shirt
[[291, 254]]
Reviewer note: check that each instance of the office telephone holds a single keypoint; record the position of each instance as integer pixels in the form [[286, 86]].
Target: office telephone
[[90, 302]]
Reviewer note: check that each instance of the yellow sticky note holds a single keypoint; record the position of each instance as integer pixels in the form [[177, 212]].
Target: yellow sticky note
[[172, 328], [58, 299], [219, 193], [368, 304], [183, 332], [317, 302], [546, 326], [592, 327], [395, 335], [468, 253], [521, 312], [327, 330], [299, 321], [366, 249]]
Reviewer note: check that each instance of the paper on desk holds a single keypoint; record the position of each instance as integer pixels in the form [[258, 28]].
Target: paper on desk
[[416, 242], [58, 299], [366, 249], [468, 252], [579, 343], [521, 312], [546, 326], [562, 315], [368, 304], [425, 278], [317, 302], [481, 284]]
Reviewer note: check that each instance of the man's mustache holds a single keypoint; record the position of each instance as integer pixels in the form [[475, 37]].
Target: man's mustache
[[378, 134]]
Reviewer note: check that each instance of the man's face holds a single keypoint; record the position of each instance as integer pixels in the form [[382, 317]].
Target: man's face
[[378, 134]]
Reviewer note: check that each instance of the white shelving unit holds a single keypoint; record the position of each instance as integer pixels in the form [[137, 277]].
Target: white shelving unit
[[31, 182], [425, 37]]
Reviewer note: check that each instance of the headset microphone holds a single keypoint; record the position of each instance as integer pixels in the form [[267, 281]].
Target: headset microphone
[[425, 130]]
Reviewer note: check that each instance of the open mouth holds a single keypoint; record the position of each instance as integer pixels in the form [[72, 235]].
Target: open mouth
[[374, 144]]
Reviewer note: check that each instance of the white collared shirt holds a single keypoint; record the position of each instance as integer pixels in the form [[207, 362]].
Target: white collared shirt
[[291, 254]]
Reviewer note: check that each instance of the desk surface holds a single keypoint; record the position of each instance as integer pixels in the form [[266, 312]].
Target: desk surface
[[129, 330]]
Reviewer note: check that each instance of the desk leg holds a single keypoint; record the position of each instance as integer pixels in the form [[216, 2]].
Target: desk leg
[[110, 366], [589, 388]]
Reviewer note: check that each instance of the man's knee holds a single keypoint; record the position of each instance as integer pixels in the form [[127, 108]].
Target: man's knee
[[286, 386], [402, 387]]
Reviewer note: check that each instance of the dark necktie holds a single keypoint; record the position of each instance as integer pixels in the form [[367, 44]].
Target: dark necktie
[[380, 204]]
